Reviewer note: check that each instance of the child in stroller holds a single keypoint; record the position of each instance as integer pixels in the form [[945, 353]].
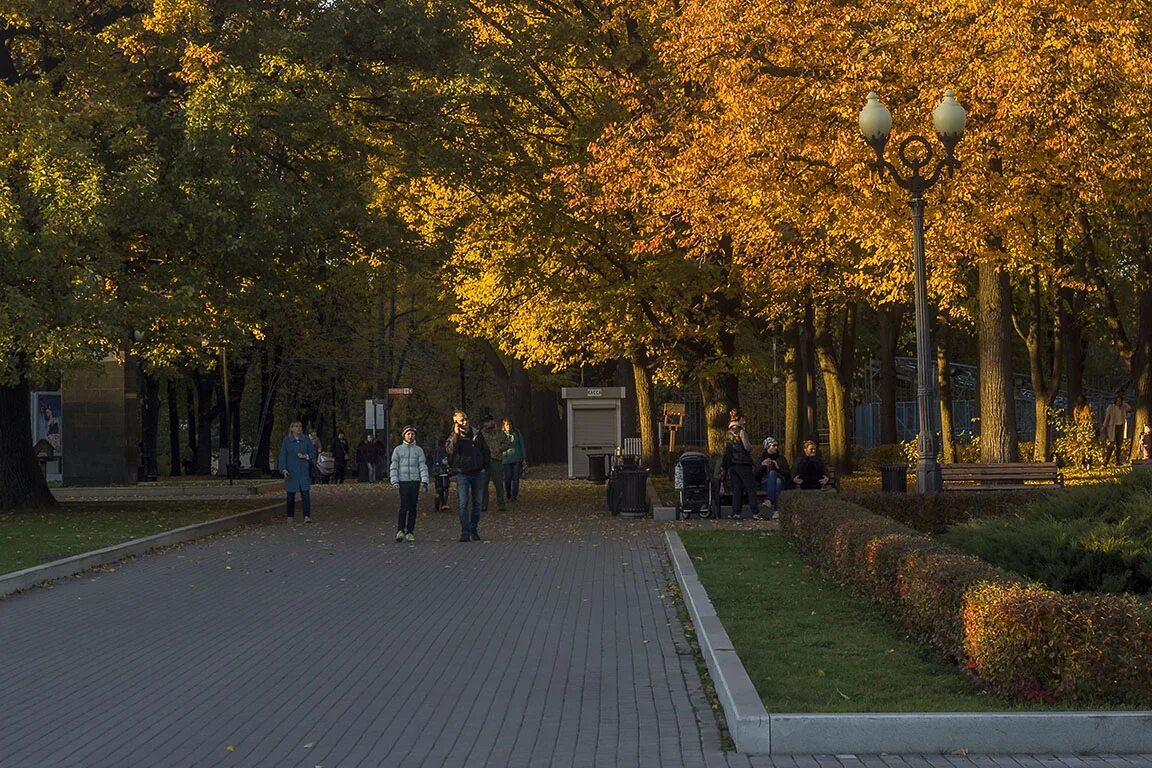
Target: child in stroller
[[693, 485]]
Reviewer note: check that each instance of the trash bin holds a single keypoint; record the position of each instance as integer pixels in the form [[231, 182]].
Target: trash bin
[[894, 478], [596, 472], [628, 492]]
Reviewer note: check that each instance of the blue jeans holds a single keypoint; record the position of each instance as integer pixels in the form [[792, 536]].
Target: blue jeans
[[772, 484], [409, 494], [305, 500], [512, 472], [473, 482]]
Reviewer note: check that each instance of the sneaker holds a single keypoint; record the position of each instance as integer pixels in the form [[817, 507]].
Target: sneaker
[[474, 536], [737, 517], [410, 537], [308, 519], [399, 535], [465, 537], [757, 516], [290, 518]]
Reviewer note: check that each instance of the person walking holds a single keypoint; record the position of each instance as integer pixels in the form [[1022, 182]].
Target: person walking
[[469, 457], [737, 463], [340, 458], [1146, 443], [317, 447], [371, 456], [1113, 428], [513, 460], [497, 443], [297, 456], [408, 472]]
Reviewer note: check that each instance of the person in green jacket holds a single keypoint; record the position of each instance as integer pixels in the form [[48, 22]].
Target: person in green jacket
[[513, 460]]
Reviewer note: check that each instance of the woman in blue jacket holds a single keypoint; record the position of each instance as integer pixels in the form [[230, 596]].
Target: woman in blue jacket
[[297, 453]]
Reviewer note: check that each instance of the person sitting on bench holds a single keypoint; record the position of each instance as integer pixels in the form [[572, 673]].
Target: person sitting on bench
[[810, 474]]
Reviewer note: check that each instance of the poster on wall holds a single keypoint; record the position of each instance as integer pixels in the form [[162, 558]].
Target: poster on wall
[[47, 416]]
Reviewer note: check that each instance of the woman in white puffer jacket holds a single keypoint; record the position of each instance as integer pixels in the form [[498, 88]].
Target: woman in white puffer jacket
[[408, 471]]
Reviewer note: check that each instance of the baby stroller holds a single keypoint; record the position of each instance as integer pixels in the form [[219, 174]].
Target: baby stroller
[[443, 477], [693, 485], [325, 466]]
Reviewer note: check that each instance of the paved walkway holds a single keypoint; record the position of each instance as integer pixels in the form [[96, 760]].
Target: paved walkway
[[554, 642]]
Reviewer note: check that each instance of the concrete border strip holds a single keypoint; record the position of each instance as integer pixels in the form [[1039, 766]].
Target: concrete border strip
[[68, 566], [755, 731]]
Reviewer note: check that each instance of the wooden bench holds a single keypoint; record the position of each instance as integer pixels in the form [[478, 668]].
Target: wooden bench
[[996, 477]]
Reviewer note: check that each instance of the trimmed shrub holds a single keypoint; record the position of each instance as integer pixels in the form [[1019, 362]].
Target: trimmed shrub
[[1018, 639], [1030, 644], [935, 512]]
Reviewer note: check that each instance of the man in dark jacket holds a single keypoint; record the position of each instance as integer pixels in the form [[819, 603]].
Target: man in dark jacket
[[469, 457]]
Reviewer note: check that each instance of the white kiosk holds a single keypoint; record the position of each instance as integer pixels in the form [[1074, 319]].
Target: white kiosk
[[594, 424]]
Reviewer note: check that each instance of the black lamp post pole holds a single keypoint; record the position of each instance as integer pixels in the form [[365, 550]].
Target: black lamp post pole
[[917, 181]]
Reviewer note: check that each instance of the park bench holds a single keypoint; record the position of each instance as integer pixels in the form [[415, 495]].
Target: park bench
[[991, 477]]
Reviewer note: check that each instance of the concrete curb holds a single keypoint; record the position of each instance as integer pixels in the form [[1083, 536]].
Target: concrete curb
[[755, 731], [59, 569]]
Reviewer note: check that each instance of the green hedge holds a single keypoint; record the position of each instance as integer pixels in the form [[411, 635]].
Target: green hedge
[[1018, 639], [935, 512]]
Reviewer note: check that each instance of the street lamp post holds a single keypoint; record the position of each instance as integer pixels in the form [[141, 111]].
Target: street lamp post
[[460, 352], [921, 171]]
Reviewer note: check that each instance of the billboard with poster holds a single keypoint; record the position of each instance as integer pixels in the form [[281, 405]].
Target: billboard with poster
[[47, 425]]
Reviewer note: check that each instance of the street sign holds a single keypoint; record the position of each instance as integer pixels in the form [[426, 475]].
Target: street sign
[[399, 391]]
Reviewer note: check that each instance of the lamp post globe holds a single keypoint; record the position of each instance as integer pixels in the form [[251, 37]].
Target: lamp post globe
[[949, 118], [875, 119]]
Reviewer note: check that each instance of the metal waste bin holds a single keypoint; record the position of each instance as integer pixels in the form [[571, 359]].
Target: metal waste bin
[[894, 478], [628, 492], [596, 471]]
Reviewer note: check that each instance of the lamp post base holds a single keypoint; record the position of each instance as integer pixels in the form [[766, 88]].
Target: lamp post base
[[928, 476]]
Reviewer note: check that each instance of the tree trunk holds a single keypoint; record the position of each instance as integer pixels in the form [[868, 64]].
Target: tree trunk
[[720, 391], [1045, 372], [808, 346], [891, 320], [645, 415], [837, 363], [149, 422], [193, 433], [175, 469], [944, 384], [206, 413], [1071, 310], [793, 393], [998, 441], [22, 484], [269, 381], [1141, 367]]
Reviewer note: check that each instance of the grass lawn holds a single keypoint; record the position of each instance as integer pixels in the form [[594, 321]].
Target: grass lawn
[[34, 538], [810, 646]]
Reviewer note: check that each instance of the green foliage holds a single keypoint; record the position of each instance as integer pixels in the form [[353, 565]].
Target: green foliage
[[1075, 443], [1072, 650], [935, 512], [1089, 539]]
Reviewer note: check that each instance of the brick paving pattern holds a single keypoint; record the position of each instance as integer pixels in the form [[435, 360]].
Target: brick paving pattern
[[554, 642]]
